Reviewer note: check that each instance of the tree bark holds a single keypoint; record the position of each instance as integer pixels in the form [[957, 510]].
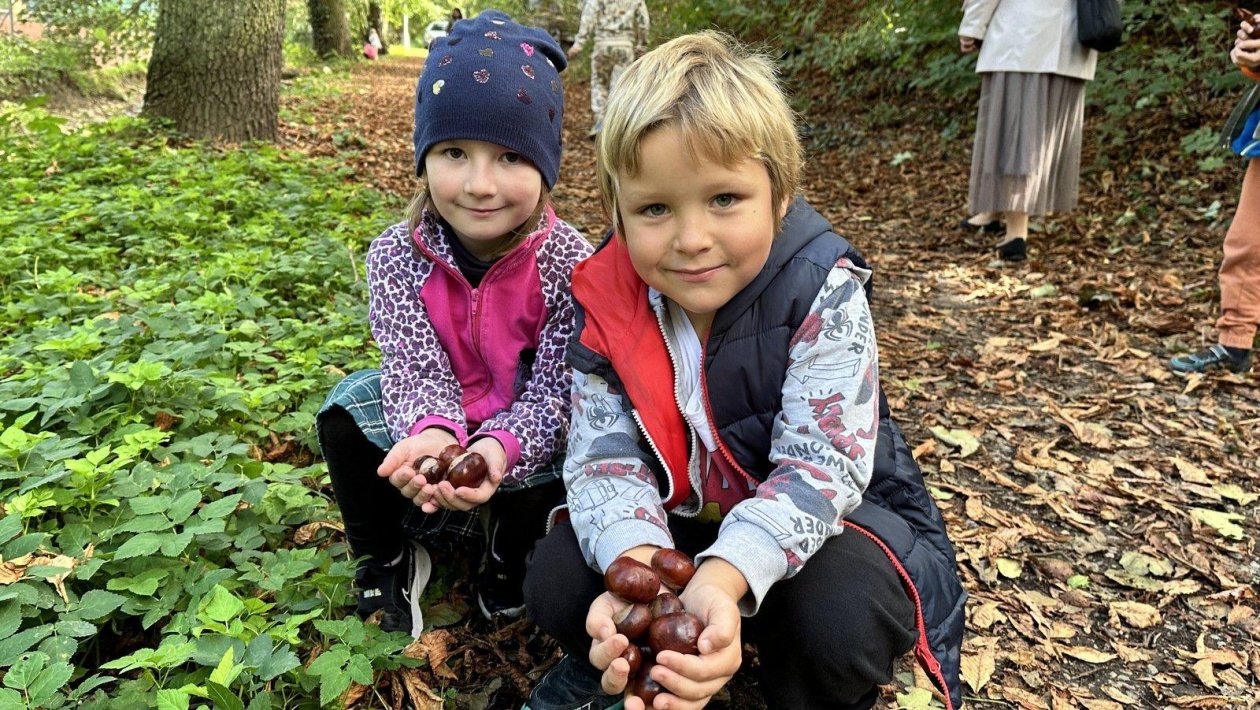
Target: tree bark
[[215, 68], [330, 28], [374, 19]]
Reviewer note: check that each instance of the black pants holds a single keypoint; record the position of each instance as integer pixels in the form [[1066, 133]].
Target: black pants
[[378, 519], [825, 638]]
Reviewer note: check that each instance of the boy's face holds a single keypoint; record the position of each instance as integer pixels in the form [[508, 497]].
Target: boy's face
[[696, 230]]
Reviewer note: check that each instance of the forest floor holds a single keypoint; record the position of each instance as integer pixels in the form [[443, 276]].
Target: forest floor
[[1103, 508]]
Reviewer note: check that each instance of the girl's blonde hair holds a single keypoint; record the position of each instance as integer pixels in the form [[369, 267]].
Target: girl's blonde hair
[[724, 98]]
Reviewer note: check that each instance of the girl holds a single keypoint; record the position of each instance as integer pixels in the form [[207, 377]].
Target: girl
[[470, 305]]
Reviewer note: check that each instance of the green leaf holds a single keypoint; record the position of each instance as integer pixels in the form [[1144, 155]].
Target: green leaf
[[10, 618], [281, 661], [172, 699], [139, 546], [222, 697], [96, 604], [50, 682], [24, 672], [10, 527], [223, 672], [1223, 523], [21, 642], [12, 700], [220, 508], [221, 605], [360, 669]]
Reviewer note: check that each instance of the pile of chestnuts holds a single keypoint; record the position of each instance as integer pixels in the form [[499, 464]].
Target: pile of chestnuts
[[462, 468], [653, 622], [1246, 15]]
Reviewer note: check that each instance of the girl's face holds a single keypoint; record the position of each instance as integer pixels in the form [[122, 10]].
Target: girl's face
[[483, 190]]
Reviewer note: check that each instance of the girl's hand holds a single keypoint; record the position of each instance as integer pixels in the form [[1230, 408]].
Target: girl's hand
[[444, 495], [397, 464], [693, 680], [968, 44]]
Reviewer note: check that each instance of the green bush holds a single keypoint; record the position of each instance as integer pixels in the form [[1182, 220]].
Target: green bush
[[173, 316]]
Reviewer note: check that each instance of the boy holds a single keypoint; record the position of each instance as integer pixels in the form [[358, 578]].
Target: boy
[[727, 403]]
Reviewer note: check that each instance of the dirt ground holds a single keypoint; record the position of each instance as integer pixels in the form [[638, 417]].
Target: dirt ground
[[1103, 508]]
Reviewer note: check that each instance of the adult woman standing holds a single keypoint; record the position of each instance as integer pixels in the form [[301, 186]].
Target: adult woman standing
[[1027, 154]]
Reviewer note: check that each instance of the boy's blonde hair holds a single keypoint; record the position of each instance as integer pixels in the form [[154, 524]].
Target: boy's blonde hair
[[724, 98]]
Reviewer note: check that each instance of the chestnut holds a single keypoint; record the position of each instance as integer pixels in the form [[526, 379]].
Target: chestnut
[[679, 632], [1245, 15], [642, 685], [427, 467], [665, 603], [673, 567], [634, 657], [447, 455], [632, 622], [631, 580], [467, 470]]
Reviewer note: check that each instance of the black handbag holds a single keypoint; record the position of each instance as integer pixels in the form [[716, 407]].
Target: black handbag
[[1098, 24]]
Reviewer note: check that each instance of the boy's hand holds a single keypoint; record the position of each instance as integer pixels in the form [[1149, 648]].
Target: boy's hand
[[444, 495], [606, 644], [1246, 51], [694, 680], [397, 464]]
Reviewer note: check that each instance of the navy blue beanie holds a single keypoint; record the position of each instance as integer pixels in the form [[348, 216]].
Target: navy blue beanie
[[494, 80]]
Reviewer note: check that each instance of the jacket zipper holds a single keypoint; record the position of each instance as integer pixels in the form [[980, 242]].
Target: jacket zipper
[[693, 444]]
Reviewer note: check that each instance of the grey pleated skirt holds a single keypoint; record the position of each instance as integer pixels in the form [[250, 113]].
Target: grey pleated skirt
[[1027, 156]]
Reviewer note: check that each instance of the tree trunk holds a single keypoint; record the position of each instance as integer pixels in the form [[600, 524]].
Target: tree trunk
[[406, 31], [330, 28], [215, 69], [374, 19]]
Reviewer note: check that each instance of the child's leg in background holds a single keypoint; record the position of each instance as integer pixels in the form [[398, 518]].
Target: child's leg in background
[[559, 589], [828, 636], [517, 519], [1240, 268]]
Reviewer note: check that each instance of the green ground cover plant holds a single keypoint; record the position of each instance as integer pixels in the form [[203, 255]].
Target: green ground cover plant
[[173, 316]]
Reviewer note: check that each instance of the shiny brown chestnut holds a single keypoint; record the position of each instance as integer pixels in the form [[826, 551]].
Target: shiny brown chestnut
[[449, 454], [632, 622], [642, 685], [467, 470], [665, 603], [679, 632], [634, 657], [428, 468], [673, 567], [631, 580]]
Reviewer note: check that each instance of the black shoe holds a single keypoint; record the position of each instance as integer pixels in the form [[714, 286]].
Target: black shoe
[[1216, 356], [994, 227], [1013, 249], [571, 685], [500, 588], [395, 590], [381, 589]]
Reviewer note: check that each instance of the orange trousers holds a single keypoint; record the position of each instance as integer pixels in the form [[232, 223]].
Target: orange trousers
[[1240, 269]]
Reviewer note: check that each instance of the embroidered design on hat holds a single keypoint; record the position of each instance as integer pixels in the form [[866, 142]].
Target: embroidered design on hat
[[551, 114], [492, 35], [437, 86], [524, 97], [482, 76], [498, 22], [527, 70], [445, 60], [487, 52], [555, 86], [527, 48]]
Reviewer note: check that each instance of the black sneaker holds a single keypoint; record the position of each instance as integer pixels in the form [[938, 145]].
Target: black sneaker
[[395, 589], [1216, 356], [500, 589], [571, 685], [381, 589]]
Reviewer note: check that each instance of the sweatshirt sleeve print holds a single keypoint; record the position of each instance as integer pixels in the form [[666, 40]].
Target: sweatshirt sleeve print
[[613, 499], [416, 377], [823, 442], [539, 419]]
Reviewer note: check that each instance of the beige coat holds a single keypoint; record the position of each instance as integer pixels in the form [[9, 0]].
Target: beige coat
[[1034, 36]]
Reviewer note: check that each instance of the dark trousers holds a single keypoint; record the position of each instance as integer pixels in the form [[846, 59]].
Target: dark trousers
[[826, 638], [378, 519]]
